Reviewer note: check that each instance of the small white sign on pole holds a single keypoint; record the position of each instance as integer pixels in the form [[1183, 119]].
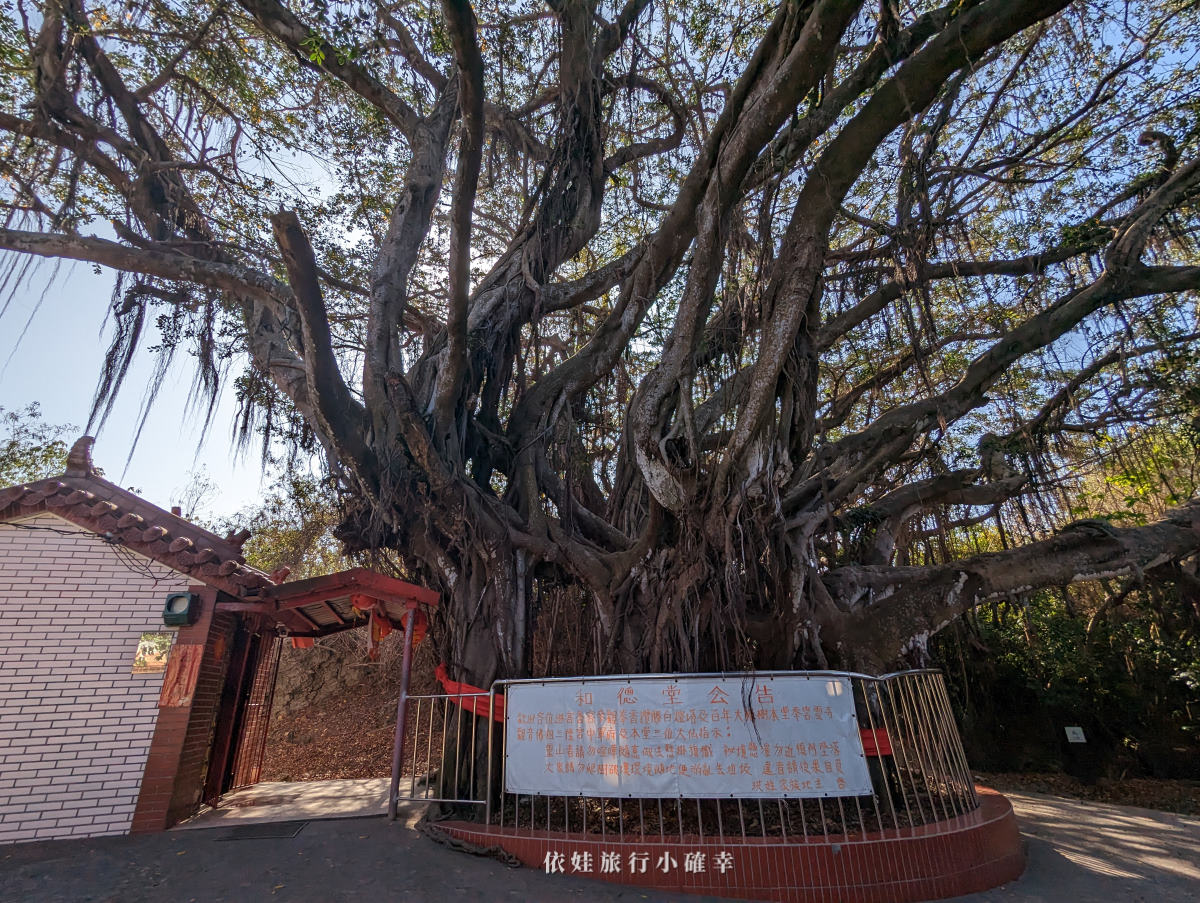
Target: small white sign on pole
[[706, 737], [1075, 735]]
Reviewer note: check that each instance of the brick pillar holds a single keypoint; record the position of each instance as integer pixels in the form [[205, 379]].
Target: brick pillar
[[174, 775]]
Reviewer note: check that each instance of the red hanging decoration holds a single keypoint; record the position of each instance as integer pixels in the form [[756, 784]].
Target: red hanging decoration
[[476, 704]]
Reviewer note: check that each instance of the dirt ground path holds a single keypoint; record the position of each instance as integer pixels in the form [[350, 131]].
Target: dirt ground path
[[1078, 853]]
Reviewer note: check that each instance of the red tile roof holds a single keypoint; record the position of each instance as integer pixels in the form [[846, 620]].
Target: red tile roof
[[314, 607], [83, 497]]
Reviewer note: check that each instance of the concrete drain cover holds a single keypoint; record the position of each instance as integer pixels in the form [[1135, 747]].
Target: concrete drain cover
[[271, 831]]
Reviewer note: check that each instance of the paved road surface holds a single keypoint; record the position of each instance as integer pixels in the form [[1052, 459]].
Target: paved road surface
[[1082, 852], [1078, 853]]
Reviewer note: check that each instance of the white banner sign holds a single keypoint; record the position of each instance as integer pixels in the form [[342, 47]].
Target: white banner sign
[[708, 737]]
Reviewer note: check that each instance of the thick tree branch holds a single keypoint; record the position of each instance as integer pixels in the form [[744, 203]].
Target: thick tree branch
[[341, 415], [792, 57], [152, 261], [655, 146], [614, 34], [909, 91], [161, 184], [791, 294], [884, 516], [893, 609], [565, 295], [407, 45], [785, 149], [79, 147], [460, 20], [866, 452], [843, 404], [283, 25], [1027, 265], [1057, 406], [385, 390]]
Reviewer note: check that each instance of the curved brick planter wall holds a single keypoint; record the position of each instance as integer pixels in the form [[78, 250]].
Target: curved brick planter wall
[[970, 853]]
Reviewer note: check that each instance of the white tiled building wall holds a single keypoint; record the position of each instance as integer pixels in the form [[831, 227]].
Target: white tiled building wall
[[75, 723]]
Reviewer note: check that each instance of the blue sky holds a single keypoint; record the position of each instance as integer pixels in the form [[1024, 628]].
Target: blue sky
[[57, 364]]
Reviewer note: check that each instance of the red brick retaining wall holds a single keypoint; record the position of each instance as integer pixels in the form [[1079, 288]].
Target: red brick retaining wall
[[963, 855], [175, 769]]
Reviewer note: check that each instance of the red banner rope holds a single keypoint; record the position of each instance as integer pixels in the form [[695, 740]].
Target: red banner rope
[[471, 698]]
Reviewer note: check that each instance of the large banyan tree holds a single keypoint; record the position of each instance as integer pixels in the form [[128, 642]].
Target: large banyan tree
[[656, 335]]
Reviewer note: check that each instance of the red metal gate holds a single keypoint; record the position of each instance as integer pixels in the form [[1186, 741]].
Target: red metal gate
[[256, 715]]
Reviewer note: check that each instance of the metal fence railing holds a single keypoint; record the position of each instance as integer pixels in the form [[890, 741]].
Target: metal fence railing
[[441, 734], [919, 773]]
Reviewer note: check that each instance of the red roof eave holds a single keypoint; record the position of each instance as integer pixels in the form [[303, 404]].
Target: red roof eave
[[355, 580], [122, 518]]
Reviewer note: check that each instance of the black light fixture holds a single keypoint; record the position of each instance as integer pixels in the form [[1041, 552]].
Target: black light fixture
[[181, 609]]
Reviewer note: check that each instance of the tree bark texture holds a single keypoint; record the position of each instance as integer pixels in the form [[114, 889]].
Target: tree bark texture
[[670, 365]]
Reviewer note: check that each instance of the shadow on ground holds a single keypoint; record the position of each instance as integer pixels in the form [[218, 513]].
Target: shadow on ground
[[272, 801], [335, 861], [1083, 852]]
